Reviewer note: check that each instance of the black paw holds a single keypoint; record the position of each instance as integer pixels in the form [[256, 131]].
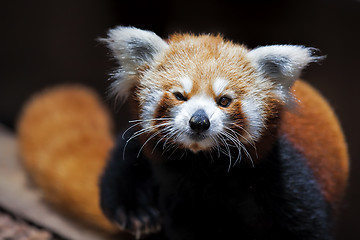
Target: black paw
[[140, 221]]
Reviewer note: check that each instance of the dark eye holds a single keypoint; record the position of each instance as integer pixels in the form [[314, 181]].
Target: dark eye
[[179, 96], [224, 101]]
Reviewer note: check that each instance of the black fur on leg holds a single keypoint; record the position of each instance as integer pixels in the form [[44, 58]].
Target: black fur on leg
[[127, 191], [199, 198]]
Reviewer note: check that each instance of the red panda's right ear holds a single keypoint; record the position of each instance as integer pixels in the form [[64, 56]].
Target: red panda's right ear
[[132, 48]]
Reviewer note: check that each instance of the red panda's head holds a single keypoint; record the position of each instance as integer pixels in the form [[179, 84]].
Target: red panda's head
[[202, 92]]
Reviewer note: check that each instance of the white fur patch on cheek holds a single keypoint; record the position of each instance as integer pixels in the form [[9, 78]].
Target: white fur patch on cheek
[[186, 83], [149, 107], [253, 110], [219, 85]]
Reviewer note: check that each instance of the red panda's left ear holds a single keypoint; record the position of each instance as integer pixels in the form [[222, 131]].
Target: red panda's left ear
[[281, 63], [132, 48]]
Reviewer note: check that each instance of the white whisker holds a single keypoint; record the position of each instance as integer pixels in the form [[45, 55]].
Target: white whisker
[[242, 146], [227, 148], [236, 142], [151, 137], [132, 126], [147, 120], [142, 131], [162, 138], [171, 134], [252, 143], [140, 121], [216, 144], [172, 153], [148, 129]]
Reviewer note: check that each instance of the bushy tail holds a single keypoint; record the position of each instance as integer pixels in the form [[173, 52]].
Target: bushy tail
[[65, 138]]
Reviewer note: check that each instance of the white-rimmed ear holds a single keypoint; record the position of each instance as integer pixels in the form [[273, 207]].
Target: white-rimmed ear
[[132, 48], [281, 63]]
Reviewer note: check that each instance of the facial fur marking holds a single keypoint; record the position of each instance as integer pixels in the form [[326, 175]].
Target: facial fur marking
[[150, 106], [219, 85], [254, 113], [184, 112], [187, 84]]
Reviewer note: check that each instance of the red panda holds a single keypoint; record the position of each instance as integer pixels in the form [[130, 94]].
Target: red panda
[[227, 143]]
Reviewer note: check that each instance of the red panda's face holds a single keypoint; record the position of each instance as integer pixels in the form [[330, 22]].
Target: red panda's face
[[202, 92]]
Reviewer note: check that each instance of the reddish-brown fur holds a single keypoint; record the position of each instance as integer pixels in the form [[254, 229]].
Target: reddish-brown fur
[[315, 131], [65, 138], [202, 59]]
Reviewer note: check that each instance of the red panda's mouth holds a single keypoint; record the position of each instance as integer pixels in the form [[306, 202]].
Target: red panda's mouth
[[195, 147], [197, 142]]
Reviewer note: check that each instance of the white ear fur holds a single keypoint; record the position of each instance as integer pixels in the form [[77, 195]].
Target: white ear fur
[[281, 63], [132, 48]]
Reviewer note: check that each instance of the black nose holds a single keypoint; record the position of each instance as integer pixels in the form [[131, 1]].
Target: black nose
[[199, 122]]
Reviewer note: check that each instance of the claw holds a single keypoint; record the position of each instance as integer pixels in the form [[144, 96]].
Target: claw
[[139, 222], [120, 218]]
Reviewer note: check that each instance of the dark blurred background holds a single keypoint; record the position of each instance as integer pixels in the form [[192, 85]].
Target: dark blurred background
[[45, 43]]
